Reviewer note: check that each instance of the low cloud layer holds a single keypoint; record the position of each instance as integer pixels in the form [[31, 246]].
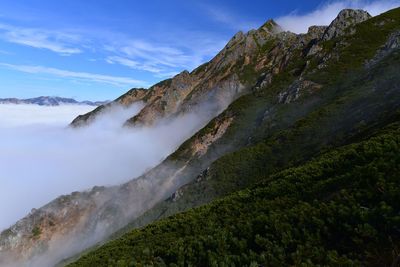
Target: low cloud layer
[[327, 12], [41, 158]]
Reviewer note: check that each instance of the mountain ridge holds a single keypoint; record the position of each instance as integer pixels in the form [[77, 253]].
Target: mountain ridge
[[293, 104], [50, 101]]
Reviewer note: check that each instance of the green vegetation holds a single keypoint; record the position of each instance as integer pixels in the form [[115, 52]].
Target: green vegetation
[[267, 46], [248, 74], [36, 232], [200, 69], [341, 209]]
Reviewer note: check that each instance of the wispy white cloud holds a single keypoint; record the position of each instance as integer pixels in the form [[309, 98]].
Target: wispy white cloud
[[164, 75], [166, 59], [85, 76], [227, 17], [56, 41], [4, 52], [326, 12], [157, 54], [161, 54], [132, 64]]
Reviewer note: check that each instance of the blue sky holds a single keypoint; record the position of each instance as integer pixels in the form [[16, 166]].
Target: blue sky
[[97, 50]]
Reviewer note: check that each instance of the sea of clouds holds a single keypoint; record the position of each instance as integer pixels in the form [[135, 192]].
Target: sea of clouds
[[42, 158]]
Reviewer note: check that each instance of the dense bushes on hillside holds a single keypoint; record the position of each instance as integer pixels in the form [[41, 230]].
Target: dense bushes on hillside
[[341, 209]]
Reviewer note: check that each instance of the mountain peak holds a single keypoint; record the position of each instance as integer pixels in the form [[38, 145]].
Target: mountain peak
[[271, 26], [345, 19]]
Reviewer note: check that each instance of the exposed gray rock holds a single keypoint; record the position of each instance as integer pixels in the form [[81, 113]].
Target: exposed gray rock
[[391, 44], [295, 90], [316, 32], [314, 50], [345, 19]]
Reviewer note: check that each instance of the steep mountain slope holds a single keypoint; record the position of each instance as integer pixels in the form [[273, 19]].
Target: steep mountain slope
[[340, 209], [228, 75], [300, 90], [283, 125], [351, 107], [327, 124], [50, 101]]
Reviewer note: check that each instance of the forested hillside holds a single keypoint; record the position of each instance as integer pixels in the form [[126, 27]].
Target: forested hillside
[[340, 209]]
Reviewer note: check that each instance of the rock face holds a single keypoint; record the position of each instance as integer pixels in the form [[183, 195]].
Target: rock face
[[164, 98], [343, 21], [391, 44], [248, 63], [316, 32], [296, 89]]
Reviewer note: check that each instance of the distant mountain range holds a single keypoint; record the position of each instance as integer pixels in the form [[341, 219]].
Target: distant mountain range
[[50, 101]]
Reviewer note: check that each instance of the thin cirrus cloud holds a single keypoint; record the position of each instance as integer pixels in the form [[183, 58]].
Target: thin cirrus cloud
[[222, 14], [325, 13], [167, 59], [146, 56], [161, 59], [132, 64], [85, 76], [55, 41]]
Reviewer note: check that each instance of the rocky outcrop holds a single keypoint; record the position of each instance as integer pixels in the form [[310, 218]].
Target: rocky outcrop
[[203, 140], [316, 32], [393, 43], [297, 89], [164, 98], [345, 19]]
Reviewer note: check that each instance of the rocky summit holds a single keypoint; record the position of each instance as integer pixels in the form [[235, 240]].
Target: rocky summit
[[343, 21], [297, 165]]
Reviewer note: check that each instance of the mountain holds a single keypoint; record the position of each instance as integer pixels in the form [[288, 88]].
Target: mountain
[[297, 166], [50, 101], [227, 76]]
